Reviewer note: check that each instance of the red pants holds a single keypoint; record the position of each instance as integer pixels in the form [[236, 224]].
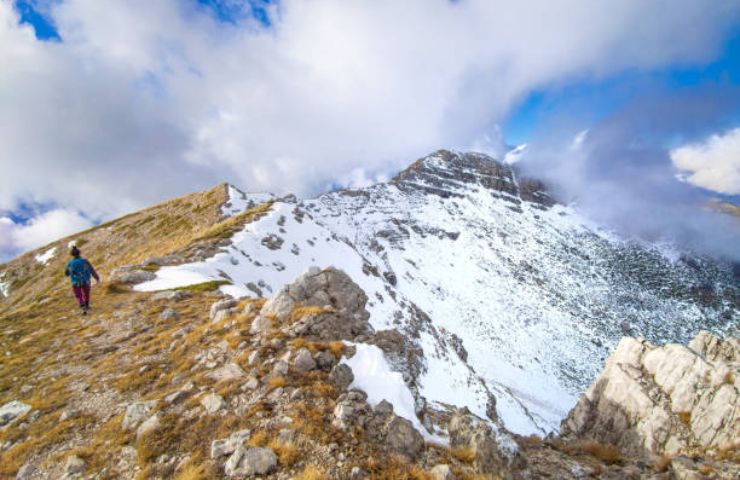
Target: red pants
[[82, 293]]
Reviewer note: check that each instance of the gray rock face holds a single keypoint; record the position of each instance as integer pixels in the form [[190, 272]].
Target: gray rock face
[[325, 360], [169, 314], [250, 461], [442, 172], [351, 409], [230, 371], [136, 413], [260, 325], [341, 376], [663, 400], [342, 303], [402, 438], [74, 465], [442, 472], [12, 411], [494, 450], [149, 425], [222, 305], [132, 275], [213, 403], [227, 446], [303, 361]]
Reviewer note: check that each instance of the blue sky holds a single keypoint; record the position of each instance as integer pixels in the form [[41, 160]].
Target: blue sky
[[295, 96]]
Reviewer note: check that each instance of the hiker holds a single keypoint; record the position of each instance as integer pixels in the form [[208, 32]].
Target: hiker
[[79, 271]]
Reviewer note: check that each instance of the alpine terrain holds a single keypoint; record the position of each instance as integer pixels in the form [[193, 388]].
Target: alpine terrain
[[457, 321]]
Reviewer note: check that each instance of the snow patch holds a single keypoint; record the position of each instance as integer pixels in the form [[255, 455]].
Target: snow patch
[[240, 201], [4, 286], [45, 257], [374, 376]]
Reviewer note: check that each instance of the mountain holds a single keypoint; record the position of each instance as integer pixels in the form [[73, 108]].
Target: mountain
[[483, 295], [509, 295]]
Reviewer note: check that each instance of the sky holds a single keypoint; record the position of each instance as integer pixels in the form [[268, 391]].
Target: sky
[[630, 109]]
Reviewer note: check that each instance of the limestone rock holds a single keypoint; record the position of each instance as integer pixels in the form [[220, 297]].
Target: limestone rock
[[227, 446], [74, 465], [303, 361], [213, 403], [494, 450], [250, 461], [132, 275], [136, 413], [341, 376], [351, 409], [663, 400], [260, 324], [342, 313], [12, 411], [325, 360], [402, 438], [442, 472], [169, 314], [230, 371], [149, 425], [222, 305]]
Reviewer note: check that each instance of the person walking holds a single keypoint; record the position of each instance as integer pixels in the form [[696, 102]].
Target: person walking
[[79, 271]]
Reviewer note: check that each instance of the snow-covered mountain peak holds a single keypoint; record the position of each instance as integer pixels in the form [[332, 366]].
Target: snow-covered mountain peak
[[448, 173], [506, 300]]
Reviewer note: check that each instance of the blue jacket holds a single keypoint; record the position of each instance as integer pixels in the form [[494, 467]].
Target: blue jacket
[[79, 271]]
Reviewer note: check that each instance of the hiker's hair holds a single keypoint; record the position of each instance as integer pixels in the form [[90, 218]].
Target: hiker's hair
[[75, 252]]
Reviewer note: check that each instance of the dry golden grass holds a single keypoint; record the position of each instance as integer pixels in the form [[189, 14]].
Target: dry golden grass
[[685, 418], [312, 472], [287, 452], [603, 451], [305, 311], [465, 455], [394, 467], [276, 382], [729, 378], [337, 348], [662, 463], [259, 439]]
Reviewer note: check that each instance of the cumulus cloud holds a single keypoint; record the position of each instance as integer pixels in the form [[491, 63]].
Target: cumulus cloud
[[143, 100], [47, 227], [713, 164]]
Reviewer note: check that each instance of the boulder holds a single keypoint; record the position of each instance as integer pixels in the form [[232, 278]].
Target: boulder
[[74, 465], [341, 376], [493, 449], [136, 413], [351, 409], [653, 400], [169, 314], [250, 461], [403, 439], [230, 371], [303, 361], [222, 305], [442, 472], [131, 275], [12, 411], [341, 302], [213, 402], [149, 425], [227, 446], [260, 324], [325, 360]]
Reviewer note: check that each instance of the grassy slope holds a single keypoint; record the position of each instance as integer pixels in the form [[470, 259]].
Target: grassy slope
[[49, 347]]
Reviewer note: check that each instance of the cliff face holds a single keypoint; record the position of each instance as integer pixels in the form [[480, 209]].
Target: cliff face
[[664, 400]]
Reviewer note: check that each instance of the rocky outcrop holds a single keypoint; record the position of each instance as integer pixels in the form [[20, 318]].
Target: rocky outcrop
[[663, 400], [444, 172], [322, 304]]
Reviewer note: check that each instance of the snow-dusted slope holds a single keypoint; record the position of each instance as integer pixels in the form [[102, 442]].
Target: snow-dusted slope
[[508, 294]]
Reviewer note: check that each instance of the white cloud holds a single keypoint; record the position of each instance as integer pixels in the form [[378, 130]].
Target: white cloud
[[713, 164], [144, 100], [47, 227]]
